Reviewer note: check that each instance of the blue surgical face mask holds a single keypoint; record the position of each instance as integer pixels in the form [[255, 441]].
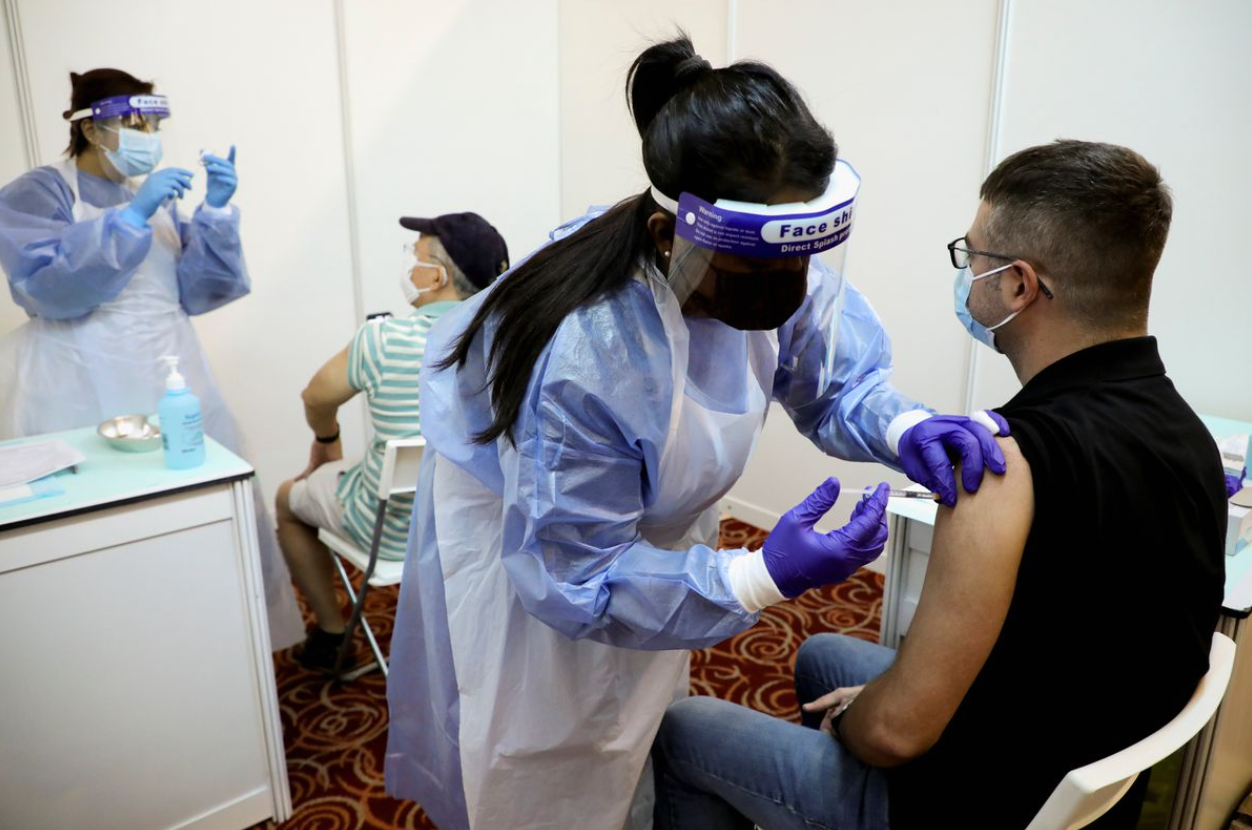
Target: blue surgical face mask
[[960, 304], [137, 152]]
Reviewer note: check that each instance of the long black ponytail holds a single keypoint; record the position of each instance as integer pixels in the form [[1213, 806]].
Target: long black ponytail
[[742, 132]]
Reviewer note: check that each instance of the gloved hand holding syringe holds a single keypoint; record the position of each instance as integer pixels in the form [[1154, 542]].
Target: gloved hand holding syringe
[[163, 186]]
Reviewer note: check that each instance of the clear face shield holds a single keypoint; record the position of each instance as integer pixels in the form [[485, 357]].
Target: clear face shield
[[746, 264], [129, 130]]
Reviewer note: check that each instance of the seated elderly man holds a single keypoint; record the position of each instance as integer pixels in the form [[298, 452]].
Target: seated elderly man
[[456, 255], [1068, 606]]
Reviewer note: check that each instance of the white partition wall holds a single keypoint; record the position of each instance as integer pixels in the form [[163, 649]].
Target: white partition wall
[[453, 107], [601, 159]]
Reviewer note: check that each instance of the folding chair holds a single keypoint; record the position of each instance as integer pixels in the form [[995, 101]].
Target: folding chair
[[1089, 792], [401, 461]]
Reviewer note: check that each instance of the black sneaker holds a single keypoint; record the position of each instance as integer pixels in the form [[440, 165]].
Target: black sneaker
[[319, 650]]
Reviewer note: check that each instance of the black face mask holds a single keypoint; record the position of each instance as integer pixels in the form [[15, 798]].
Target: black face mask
[[749, 301]]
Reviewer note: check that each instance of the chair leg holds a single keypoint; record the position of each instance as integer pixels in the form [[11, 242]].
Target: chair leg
[[358, 602], [379, 662], [369, 635], [346, 646]]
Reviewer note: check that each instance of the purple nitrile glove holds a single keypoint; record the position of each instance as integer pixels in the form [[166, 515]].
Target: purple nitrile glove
[[927, 450], [1235, 483], [798, 557]]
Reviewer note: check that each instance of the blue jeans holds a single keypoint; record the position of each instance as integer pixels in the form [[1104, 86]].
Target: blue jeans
[[720, 766]]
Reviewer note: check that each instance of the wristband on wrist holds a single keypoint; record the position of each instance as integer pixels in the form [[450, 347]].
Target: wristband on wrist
[[329, 439]]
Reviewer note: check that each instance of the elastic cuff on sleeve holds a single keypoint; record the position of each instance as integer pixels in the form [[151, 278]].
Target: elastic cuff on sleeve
[[751, 583], [122, 219], [901, 424], [224, 210]]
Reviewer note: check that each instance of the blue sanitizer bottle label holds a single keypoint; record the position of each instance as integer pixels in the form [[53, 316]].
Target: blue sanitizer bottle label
[[193, 436]]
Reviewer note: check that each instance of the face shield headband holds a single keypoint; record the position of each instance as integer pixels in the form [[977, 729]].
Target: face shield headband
[[119, 106], [745, 263]]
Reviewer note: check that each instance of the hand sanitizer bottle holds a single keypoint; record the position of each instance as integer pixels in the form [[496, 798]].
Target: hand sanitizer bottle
[[182, 435]]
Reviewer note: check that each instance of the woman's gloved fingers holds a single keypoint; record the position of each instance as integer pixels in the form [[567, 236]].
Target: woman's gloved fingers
[[940, 477], [963, 443], [980, 425], [868, 517], [811, 510]]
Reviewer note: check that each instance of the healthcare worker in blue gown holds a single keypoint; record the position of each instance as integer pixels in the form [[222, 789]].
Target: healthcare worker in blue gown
[[110, 274], [583, 417]]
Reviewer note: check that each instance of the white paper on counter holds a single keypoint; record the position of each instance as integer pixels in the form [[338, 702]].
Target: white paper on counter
[[23, 463]]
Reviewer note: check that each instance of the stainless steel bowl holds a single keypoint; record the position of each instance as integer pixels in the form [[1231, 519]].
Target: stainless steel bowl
[[131, 433]]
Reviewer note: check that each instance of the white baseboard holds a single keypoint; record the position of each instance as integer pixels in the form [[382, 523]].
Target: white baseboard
[[760, 517]]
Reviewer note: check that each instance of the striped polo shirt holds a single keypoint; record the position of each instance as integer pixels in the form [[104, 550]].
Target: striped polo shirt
[[384, 362]]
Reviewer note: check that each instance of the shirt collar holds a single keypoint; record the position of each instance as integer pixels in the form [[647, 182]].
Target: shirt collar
[[1116, 360], [436, 310]]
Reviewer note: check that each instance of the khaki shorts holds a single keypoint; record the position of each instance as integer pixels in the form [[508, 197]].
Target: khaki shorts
[[313, 499]]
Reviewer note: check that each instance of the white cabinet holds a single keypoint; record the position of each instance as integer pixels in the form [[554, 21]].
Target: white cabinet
[[136, 677]]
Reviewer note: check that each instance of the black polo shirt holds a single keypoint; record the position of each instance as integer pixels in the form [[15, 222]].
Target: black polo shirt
[[1116, 599]]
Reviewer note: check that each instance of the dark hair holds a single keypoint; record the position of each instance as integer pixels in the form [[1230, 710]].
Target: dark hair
[[89, 87], [742, 132], [1092, 216]]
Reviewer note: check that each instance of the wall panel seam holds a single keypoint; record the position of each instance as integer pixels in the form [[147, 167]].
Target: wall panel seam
[[349, 171], [21, 83], [995, 123]]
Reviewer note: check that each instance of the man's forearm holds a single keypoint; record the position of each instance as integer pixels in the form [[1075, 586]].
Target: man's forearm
[[871, 734]]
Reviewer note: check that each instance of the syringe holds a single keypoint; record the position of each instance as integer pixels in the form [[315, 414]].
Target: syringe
[[902, 494]]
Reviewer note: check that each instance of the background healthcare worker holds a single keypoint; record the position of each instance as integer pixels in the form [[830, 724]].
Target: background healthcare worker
[[109, 274], [591, 409]]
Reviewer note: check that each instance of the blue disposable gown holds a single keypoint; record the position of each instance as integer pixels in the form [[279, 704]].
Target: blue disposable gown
[[590, 435], [60, 269]]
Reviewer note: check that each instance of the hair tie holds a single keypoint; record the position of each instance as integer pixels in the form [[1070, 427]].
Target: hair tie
[[689, 68]]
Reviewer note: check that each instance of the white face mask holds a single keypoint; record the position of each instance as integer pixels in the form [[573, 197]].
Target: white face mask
[[411, 291]]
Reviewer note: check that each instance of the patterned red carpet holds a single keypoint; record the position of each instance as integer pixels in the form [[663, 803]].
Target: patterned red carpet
[[336, 734]]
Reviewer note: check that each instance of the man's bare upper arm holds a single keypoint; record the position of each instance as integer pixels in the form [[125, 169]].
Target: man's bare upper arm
[[969, 584], [329, 388]]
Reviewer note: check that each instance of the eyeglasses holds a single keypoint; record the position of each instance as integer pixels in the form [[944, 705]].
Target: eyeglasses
[[960, 255]]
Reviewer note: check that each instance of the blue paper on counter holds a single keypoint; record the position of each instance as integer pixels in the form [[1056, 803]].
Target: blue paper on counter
[[38, 489]]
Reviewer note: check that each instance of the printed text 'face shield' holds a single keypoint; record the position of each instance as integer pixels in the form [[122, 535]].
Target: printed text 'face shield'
[[745, 263], [133, 112]]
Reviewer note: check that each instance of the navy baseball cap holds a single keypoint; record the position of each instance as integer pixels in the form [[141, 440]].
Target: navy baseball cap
[[475, 246]]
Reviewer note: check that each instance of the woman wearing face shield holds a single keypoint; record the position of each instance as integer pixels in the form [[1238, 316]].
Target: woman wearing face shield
[[586, 415], [109, 274]]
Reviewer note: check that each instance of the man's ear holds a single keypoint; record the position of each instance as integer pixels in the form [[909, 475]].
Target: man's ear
[[1026, 286]]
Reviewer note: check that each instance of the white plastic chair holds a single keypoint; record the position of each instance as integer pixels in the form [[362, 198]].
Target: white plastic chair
[[1089, 792], [401, 461]]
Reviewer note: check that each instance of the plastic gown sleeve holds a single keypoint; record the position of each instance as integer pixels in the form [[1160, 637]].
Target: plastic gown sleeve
[[211, 271], [834, 372], [59, 268], [585, 468]]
